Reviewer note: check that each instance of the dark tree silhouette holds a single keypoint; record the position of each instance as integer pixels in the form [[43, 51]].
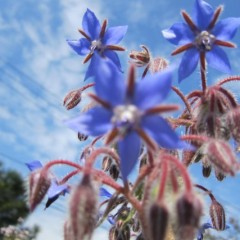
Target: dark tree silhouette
[[12, 197]]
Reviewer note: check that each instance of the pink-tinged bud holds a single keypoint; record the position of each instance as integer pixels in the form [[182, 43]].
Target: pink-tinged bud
[[106, 163], [188, 157], [68, 234], [232, 120], [221, 155], [158, 64], [72, 99], [83, 209], [189, 211], [217, 215], [39, 183], [141, 58], [86, 153], [158, 221]]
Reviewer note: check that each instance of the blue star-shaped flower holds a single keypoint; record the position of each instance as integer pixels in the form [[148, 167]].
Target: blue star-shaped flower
[[201, 37], [55, 189], [129, 112], [98, 40]]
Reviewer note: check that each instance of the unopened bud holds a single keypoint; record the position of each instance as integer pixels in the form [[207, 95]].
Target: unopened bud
[[217, 215], [82, 137], [86, 153], [68, 235], [83, 209], [106, 163], [72, 99], [189, 211], [158, 64], [219, 175], [220, 154], [158, 221], [39, 183], [206, 167], [114, 171], [119, 233]]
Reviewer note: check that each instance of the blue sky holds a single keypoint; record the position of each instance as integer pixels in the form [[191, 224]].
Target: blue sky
[[38, 68]]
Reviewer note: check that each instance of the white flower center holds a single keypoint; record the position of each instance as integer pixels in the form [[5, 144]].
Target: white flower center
[[125, 117], [96, 45], [204, 41]]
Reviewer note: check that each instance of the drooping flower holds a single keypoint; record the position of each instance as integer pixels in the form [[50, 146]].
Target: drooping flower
[[129, 112], [55, 190], [98, 40], [201, 37]]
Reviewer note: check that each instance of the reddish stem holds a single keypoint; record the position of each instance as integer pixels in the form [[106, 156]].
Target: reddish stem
[[164, 174], [203, 71], [206, 191]]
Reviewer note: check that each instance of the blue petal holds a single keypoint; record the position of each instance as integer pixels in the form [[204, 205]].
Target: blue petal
[[91, 25], [81, 46], [162, 133], [34, 165], [104, 193], [129, 149], [114, 35], [202, 14], [218, 59], [95, 122], [178, 34], [114, 58], [202, 230], [110, 84], [226, 28], [92, 67], [152, 89], [188, 64], [56, 189]]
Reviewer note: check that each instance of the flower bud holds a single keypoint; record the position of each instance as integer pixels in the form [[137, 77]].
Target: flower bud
[[82, 137], [220, 154], [158, 64], [158, 221], [39, 183], [217, 215], [72, 99], [83, 209], [114, 171], [219, 175], [106, 163], [68, 235], [189, 211], [206, 167]]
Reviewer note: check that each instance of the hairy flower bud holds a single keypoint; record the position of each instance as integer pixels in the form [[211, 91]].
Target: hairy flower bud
[[206, 167], [158, 64], [72, 99], [82, 137], [158, 221], [189, 211], [39, 183], [220, 154], [83, 209], [217, 215], [106, 163]]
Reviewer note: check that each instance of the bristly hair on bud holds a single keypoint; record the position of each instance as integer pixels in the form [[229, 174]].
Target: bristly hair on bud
[[217, 215], [72, 99], [158, 221], [39, 183], [83, 209], [189, 211]]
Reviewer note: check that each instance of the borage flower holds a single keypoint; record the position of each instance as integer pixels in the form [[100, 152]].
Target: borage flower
[[201, 37], [55, 190], [98, 40], [129, 112]]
